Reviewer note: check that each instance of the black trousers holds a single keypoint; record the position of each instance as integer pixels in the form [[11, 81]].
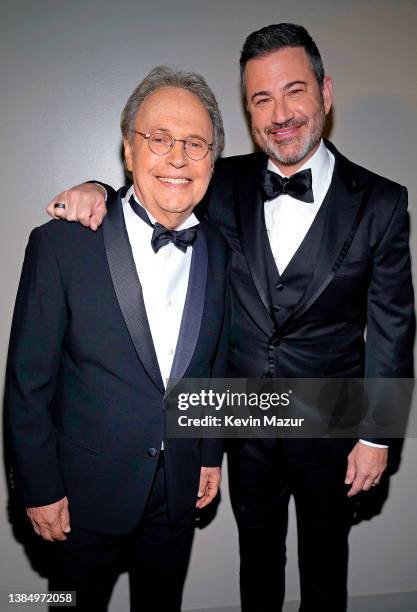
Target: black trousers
[[156, 554], [261, 482]]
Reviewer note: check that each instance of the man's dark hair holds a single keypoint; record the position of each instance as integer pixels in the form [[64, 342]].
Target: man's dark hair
[[279, 36]]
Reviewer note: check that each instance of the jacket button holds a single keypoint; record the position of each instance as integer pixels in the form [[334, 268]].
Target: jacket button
[[276, 308], [152, 452], [279, 287], [275, 341]]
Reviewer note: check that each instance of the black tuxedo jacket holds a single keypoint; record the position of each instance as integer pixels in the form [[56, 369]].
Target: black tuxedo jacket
[[360, 278], [84, 394]]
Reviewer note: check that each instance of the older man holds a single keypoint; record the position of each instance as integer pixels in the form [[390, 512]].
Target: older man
[[91, 349], [320, 251]]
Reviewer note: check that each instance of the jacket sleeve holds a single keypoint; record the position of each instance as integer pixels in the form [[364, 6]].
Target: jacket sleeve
[[109, 189], [37, 333], [390, 322]]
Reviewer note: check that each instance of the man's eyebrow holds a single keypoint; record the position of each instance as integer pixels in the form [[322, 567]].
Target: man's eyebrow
[[168, 131], [165, 130], [292, 83], [159, 129], [285, 88], [260, 93], [197, 136]]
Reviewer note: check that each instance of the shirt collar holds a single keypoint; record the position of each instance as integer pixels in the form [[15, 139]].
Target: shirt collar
[[319, 164], [191, 221]]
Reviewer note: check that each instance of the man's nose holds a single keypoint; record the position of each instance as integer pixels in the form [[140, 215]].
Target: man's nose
[[281, 111], [177, 156]]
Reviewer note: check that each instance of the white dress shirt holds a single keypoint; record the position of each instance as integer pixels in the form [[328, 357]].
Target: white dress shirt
[[164, 278], [288, 220]]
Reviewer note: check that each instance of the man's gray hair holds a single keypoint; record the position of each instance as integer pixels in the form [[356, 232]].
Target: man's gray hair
[[169, 76]]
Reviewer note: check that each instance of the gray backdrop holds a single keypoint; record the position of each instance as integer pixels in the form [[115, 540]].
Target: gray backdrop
[[67, 69]]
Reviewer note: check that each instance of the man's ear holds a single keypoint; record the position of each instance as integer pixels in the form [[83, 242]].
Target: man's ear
[[327, 92], [128, 154]]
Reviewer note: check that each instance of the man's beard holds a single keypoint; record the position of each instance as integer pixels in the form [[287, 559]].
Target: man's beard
[[278, 151]]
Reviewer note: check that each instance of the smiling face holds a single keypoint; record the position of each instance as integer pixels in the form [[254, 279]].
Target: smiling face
[[287, 108], [171, 185]]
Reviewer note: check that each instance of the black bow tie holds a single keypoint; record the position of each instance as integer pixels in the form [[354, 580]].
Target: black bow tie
[[297, 186], [162, 235]]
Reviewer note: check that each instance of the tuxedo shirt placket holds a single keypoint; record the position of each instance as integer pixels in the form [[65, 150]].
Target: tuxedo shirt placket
[[164, 279], [287, 219]]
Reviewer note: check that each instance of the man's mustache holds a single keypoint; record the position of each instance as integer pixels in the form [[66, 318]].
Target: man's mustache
[[280, 126]]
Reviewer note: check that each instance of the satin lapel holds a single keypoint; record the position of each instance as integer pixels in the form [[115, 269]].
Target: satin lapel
[[346, 204], [250, 218], [193, 310], [128, 288]]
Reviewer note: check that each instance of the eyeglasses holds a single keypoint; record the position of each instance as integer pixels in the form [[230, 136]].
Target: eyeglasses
[[161, 143]]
